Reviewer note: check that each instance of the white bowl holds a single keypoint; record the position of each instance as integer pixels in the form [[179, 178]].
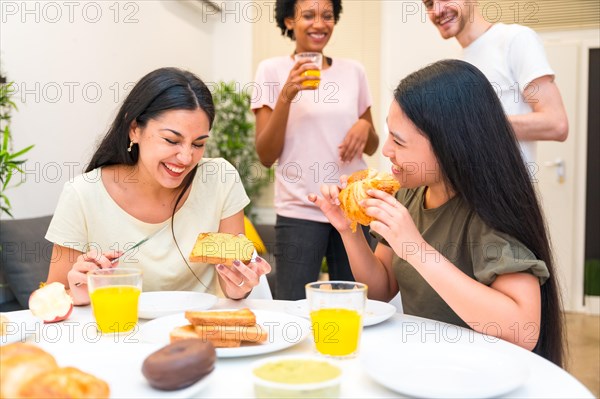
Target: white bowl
[[266, 388]]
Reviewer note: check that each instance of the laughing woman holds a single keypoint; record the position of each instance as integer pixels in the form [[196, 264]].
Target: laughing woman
[[464, 240], [148, 173], [316, 133]]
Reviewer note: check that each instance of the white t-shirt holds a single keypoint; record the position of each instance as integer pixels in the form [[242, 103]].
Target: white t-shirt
[[511, 57], [86, 216], [317, 124]]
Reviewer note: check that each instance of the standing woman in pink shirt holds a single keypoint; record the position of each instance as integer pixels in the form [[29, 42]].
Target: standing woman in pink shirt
[[316, 134]]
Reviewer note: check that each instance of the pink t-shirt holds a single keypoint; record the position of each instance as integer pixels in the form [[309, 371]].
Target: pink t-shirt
[[317, 124]]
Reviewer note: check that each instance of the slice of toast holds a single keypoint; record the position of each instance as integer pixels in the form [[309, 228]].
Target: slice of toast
[[241, 317], [189, 332], [222, 248], [255, 334]]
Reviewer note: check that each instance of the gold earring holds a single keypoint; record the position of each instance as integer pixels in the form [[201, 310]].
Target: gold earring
[[131, 143]]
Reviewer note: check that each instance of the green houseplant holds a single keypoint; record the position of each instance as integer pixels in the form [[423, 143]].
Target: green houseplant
[[232, 138], [10, 162]]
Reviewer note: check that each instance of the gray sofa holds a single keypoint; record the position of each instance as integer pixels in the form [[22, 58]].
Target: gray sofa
[[24, 259], [25, 256]]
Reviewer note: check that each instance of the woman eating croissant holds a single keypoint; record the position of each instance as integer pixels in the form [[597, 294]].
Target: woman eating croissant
[[464, 240]]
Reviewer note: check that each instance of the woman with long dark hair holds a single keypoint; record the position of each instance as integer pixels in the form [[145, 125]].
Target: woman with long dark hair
[[464, 241], [148, 173]]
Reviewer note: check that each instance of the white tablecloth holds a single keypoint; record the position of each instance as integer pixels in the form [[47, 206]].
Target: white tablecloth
[[232, 376]]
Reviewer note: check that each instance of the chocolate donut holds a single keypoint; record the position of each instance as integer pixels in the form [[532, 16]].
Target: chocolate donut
[[179, 364]]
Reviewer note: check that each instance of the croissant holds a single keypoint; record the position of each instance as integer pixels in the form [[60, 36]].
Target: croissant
[[27, 371], [356, 191]]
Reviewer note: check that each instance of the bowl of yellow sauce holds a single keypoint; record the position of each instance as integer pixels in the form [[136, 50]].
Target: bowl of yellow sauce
[[296, 377]]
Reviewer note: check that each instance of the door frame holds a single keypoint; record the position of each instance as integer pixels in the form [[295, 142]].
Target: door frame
[[586, 304]]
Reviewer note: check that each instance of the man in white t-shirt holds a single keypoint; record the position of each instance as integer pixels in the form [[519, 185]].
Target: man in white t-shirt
[[513, 59]]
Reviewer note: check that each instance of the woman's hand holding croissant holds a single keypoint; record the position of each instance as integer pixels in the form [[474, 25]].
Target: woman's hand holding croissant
[[330, 205], [394, 223]]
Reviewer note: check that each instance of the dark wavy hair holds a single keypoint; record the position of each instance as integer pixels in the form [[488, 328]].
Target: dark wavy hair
[[452, 103], [287, 9]]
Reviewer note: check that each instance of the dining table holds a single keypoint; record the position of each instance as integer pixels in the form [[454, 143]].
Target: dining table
[[405, 348]]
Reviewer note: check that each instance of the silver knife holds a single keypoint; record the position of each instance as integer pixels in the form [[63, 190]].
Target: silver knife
[[143, 240]]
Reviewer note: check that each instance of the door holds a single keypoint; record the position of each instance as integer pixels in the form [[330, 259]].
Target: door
[[561, 171]]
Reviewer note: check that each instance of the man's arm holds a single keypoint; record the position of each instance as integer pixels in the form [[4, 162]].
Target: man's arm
[[548, 119]]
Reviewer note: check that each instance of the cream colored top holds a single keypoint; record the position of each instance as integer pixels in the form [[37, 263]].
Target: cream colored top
[[86, 216]]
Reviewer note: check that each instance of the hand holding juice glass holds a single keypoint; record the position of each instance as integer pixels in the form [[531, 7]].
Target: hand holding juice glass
[[114, 295], [317, 60], [336, 309]]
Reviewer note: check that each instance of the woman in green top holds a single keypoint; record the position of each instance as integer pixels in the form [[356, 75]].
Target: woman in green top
[[464, 240]]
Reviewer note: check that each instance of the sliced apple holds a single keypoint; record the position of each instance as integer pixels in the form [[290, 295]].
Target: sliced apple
[[51, 303]]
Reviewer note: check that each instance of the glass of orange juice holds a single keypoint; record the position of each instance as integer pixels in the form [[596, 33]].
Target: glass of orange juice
[[114, 295], [317, 60], [336, 310]]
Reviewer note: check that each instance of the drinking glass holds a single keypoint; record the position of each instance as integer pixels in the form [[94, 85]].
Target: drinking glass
[[114, 295], [336, 311], [317, 60]]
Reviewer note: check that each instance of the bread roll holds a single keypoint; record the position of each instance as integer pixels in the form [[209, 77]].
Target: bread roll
[[27, 371], [222, 248], [356, 191], [20, 363], [66, 382]]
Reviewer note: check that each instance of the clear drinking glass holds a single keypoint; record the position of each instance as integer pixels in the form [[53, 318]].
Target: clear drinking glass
[[317, 60], [336, 312], [114, 294]]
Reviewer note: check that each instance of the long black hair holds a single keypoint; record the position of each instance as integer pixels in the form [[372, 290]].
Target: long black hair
[[287, 9], [452, 103]]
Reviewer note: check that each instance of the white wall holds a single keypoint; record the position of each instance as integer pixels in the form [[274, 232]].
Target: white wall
[[409, 42], [73, 63]]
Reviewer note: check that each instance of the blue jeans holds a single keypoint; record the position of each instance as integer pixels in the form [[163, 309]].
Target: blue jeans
[[300, 246]]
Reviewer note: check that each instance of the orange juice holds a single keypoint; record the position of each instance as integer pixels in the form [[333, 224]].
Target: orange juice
[[312, 83], [336, 331], [115, 308]]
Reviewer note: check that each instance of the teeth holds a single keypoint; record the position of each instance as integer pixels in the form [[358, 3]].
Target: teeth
[[174, 168], [447, 19], [318, 35]]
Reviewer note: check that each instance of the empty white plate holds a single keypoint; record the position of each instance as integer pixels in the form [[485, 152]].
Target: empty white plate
[[163, 303], [444, 370]]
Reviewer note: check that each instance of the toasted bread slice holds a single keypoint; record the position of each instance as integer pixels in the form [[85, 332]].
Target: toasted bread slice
[[183, 332], [189, 332], [222, 248], [241, 317], [255, 333]]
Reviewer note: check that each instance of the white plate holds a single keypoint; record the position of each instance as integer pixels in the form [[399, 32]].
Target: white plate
[[20, 326], [284, 331], [120, 365], [164, 303], [375, 312], [444, 370]]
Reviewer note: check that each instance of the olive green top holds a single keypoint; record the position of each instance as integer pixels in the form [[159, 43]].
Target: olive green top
[[459, 234]]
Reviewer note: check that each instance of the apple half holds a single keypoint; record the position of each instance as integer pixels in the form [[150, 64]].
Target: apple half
[[51, 303]]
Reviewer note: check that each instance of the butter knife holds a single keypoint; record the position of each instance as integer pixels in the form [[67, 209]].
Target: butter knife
[[142, 241]]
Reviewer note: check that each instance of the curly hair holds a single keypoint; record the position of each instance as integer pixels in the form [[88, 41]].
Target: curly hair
[[287, 9]]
